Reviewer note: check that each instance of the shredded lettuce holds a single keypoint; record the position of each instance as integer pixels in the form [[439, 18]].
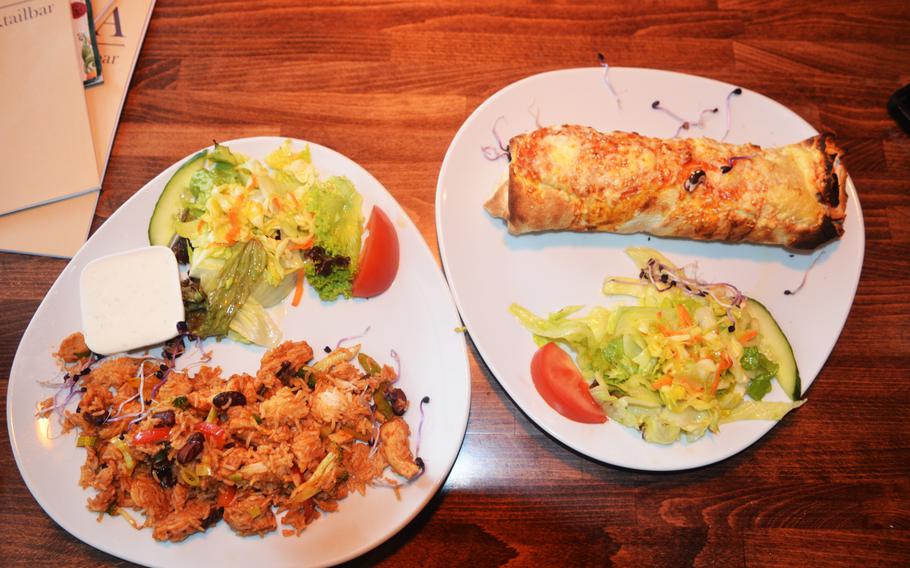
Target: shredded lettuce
[[251, 227], [671, 365]]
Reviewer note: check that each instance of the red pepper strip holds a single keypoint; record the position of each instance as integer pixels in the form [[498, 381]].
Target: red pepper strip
[[152, 435], [213, 432], [226, 495]]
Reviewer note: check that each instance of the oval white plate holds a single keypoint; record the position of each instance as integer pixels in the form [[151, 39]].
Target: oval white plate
[[415, 317], [488, 269]]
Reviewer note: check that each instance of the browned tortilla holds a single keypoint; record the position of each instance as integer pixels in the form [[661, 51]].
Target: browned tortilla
[[575, 178]]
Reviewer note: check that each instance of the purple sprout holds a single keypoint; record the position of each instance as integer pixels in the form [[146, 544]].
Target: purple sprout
[[802, 283], [493, 154], [683, 123], [736, 91], [731, 162], [353, 337], [603, 63]]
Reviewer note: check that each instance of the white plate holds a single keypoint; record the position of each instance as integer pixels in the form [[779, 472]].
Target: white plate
[[416, 317], [488, 269]]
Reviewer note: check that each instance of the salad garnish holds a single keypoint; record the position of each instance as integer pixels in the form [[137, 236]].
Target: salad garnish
[[603, 63], [493, 154], [683, 123], [737, 91], [253, 232], [689, 356]]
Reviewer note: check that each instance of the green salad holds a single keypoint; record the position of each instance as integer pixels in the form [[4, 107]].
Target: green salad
[[687, 357], [249, 233]]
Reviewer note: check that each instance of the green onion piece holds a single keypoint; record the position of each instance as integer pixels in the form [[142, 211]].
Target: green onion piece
[[381, 402], [86, 441], [128, 462], [254, 511], [188, 477], [83, 354], [257, 418], [129, 519], [180, 402], [203, 470], [235, 477], [370, 366], [306, 373], [213, 415]]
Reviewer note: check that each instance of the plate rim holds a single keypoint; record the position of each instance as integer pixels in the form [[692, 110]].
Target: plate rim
[[481, 349], [166, 173]]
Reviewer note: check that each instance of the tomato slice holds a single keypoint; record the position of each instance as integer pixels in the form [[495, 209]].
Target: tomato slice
[[561, 385], [152, 435], [379, 257]]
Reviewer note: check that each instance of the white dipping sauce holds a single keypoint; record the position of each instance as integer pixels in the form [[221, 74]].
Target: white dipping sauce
[[130, 300]]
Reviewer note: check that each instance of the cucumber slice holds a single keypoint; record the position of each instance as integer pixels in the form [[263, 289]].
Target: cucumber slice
[[161, 225], [774, 343]]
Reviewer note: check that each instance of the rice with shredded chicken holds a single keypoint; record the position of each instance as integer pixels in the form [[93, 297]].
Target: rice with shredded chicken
[[256, 451]]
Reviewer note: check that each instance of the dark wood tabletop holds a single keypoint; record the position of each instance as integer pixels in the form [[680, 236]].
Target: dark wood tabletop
[[388, 84]]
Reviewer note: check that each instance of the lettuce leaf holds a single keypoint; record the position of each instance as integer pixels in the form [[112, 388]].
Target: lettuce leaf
[[253, 325], [232, 287], [336, 205]]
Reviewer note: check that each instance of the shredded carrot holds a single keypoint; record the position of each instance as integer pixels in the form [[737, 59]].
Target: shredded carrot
[[663, 381], [748, 336], [298, 289], [685, 319], [302, 246], [667, 331], [691, 386], [234, 217], [723, 364], [200, 225], [277, 203]]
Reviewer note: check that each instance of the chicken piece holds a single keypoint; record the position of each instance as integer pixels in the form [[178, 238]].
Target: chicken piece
[[148, 495], [307, 448], [103, 500], [284, 406], [73, 349], [394, 436], [250, 514], [183, 522], [179, 495], [297, 353]]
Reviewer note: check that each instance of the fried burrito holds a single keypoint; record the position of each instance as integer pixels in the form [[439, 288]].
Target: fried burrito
[[574, 178]]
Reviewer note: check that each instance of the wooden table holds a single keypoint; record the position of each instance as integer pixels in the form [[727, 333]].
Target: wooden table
[[389, 85]]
